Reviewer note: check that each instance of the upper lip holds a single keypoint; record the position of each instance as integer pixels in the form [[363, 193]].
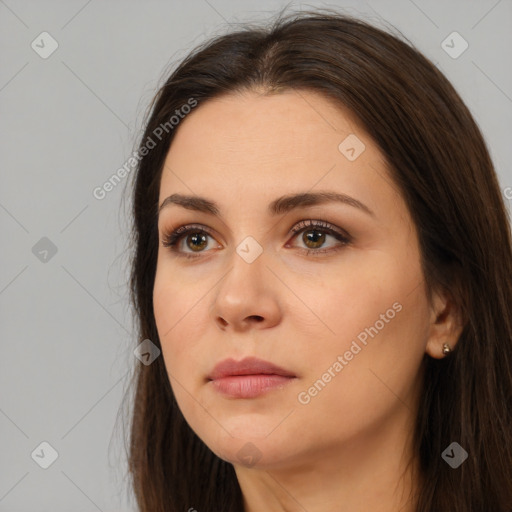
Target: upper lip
[[247, 366]]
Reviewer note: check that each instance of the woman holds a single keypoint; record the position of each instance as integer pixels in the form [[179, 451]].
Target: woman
[[323, 257]]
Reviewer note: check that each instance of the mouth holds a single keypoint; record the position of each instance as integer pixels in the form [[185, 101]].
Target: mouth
[[248, 378]]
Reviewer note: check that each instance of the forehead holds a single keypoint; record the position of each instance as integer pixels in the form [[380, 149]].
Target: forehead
[[262, 145], [268, 128]]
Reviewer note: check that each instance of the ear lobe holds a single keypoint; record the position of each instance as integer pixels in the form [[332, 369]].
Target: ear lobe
[[445, 325]]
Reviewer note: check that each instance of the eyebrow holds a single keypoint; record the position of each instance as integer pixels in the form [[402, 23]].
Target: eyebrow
[[279, 206]]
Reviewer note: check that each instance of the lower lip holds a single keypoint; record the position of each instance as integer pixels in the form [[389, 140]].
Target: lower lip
[[249, 386]]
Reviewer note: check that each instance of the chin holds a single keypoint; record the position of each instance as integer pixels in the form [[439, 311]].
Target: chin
[[253, 453]]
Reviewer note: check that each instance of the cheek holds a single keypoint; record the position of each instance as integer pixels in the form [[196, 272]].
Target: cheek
[[343, 301], [177, 312], [177, 309], [380, 333], [376, 314]]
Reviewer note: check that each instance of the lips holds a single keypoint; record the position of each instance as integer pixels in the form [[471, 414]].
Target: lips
[[247, 366], [248, 378]]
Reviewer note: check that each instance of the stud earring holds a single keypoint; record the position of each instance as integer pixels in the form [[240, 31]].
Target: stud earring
[[446, 349]]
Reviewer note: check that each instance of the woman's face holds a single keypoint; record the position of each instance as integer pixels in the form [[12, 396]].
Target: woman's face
[[340, 304]]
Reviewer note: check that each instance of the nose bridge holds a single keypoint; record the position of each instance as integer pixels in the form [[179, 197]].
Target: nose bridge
[[247, 273], [246, 291]]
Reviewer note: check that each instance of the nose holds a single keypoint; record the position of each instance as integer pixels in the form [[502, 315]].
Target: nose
[[247, 296]]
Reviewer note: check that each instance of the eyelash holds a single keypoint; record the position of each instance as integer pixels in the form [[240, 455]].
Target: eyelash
[[173, 238]]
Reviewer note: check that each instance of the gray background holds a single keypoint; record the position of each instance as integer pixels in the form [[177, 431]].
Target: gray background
[[68, 123]]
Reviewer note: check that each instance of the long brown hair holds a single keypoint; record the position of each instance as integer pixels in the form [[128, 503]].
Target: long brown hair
[[440, 162]]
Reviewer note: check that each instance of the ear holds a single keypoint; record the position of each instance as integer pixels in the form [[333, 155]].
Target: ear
[[446, 324]]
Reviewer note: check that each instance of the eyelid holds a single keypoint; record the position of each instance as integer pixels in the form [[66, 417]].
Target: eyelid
[[320, 225]]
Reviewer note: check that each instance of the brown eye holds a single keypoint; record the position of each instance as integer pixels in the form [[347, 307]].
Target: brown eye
[[314, 236], [195, 238], [196, 241]]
